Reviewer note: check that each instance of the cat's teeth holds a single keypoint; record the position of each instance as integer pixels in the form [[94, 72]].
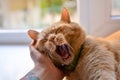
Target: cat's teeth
[[63, 64]]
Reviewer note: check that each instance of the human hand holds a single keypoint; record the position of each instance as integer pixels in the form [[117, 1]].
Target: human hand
[[44, 69]]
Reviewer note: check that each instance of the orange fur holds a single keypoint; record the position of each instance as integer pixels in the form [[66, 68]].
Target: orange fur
[[114, 36], [99, 59]]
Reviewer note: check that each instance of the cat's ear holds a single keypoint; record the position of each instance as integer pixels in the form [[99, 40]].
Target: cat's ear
[[65, 16], [33, 34]]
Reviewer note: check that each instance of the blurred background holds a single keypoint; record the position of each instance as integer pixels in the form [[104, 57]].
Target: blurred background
[[115, 8], [97, 17], [24, 14]]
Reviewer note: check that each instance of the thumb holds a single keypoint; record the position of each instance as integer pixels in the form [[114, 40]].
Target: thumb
[[35, 54]]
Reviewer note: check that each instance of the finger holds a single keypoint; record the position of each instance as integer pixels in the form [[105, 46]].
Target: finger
[[38, 57], [35, 55], [33, 49]]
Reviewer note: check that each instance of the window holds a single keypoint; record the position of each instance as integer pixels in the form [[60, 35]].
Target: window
[[96, 16], [25, 14], [17, 16], [115, 8]]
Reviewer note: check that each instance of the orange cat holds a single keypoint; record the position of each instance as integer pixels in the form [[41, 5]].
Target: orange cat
[[78, 56]]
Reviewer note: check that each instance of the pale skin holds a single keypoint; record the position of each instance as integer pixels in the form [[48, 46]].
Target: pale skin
[[44, 68]]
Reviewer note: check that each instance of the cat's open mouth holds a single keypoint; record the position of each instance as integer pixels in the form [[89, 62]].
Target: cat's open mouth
[[63, 51]]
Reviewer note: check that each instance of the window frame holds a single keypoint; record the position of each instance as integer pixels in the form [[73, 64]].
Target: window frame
[[89, 18], [95, 15], [14, 37], [83, 12]]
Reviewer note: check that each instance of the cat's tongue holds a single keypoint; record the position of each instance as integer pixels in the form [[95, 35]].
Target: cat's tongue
[[63, 51]]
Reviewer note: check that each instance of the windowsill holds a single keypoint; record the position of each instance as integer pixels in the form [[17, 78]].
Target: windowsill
[[14, 37], [115, 17], [15, 61]]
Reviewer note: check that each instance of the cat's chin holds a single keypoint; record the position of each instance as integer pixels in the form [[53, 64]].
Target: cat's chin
[[66, 54]]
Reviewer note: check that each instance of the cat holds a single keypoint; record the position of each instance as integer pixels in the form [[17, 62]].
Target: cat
[[79, 56]]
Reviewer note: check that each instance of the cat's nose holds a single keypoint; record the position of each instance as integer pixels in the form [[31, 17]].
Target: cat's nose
[[60, 40], [51, 37]]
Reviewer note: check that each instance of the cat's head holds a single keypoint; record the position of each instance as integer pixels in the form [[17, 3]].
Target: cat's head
[[61, 41]]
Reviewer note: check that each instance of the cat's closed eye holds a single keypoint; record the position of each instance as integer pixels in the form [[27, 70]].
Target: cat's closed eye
[[43, 40], [59, 30]]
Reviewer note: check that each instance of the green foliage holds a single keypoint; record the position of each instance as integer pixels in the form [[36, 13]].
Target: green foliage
[[52, 6]]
